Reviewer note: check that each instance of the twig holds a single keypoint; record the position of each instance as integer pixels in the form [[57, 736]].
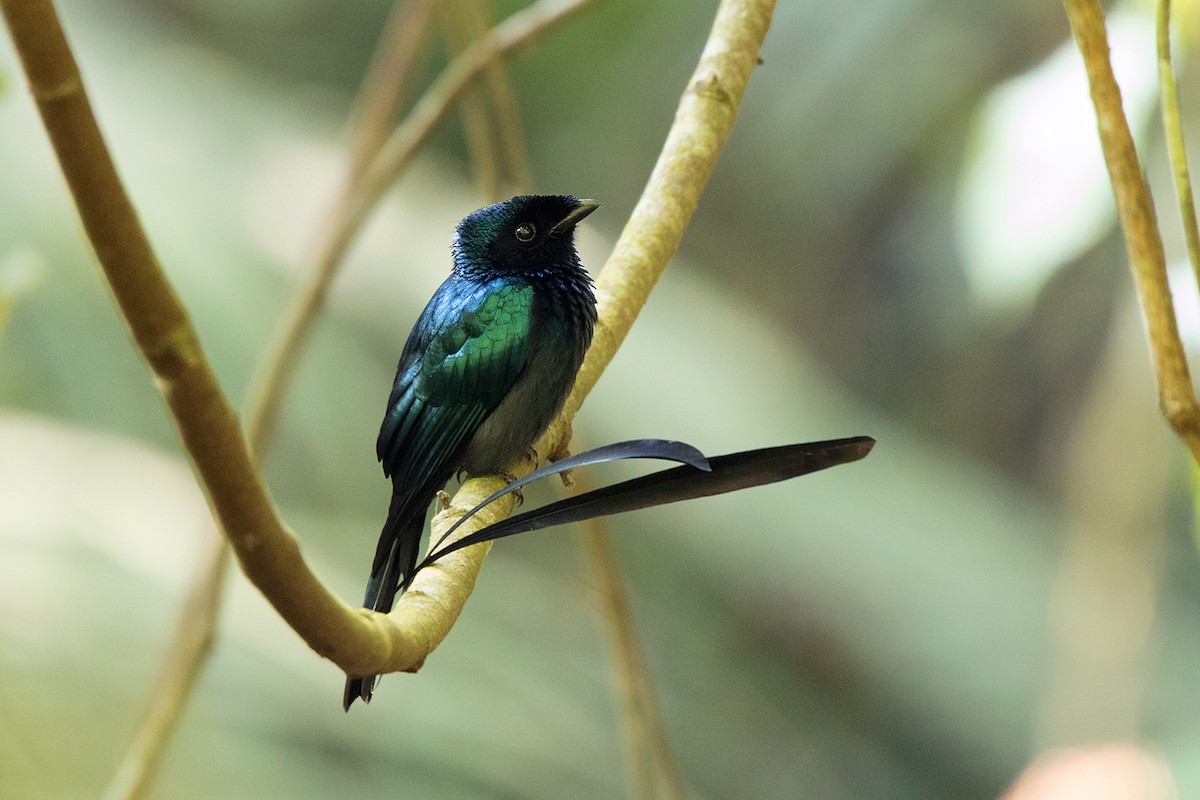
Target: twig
[[189, 649], [393, 157], [360, 642], [646, 734], [477, 124], [384, 86], [514, 156], [1135, 208], [1173, 131]]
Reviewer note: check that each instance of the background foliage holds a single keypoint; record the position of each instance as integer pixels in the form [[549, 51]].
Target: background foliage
[[1011, 569]]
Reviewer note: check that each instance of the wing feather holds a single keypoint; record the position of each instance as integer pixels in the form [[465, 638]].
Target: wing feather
[[469, 347]]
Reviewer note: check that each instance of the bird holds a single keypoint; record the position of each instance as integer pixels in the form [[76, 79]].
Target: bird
[[486, 368]]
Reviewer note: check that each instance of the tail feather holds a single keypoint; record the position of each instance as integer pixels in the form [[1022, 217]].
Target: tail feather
[[395, 561]]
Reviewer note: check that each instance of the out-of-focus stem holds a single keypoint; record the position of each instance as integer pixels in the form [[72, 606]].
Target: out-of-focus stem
[[1135, 209]]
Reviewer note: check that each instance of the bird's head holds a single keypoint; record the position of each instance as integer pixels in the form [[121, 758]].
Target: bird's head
[[529, 233]]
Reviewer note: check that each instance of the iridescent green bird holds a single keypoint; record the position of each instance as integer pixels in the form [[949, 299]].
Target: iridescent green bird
[[485, 370]]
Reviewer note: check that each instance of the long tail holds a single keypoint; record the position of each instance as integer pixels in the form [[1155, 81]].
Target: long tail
[[395, 560]]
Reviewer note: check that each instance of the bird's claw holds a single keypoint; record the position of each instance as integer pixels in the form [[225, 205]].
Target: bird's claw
[[516, 493], [443, 500]]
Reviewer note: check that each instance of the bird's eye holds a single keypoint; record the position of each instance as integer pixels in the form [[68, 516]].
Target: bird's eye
[[526, 232]]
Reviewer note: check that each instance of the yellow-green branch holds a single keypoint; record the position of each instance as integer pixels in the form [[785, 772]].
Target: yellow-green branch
[[1173, 131]]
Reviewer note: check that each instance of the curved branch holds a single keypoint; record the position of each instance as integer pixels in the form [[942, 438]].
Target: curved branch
[[189, 648], [702, 124], [1135, 208], [375, 105], [359, 641]]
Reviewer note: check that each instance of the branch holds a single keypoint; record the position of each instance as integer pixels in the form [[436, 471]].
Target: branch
[[163, 333], [649, 746], [359, 641], [475, 17], [383, 87], [1135, 208], [157, 321], [1173, 131], [193, 641], [476, 119], [702, 124]]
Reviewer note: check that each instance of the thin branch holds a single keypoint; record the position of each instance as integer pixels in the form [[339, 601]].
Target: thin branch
[[514, 156], [649, 746], [476, 119], [186, 654], [1135, 208], [394, 156], [359, 641], [383, 88], [1173, 130]]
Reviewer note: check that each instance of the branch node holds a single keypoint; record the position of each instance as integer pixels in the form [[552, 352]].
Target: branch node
[[68, 88], [174, 352], [1183, 413], [709, 87]]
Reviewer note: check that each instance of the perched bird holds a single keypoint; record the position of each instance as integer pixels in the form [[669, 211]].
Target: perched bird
[[485, 370]]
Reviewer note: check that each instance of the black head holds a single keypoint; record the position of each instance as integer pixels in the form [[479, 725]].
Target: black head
[[529, 233]]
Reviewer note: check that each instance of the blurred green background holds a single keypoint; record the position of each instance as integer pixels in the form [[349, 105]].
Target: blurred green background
[[910, 235]]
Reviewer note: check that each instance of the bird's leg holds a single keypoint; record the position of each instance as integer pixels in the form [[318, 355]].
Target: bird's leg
[[511, 476]]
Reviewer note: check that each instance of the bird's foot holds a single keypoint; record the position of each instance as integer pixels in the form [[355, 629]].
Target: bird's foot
[[443, 500], [517, 493]]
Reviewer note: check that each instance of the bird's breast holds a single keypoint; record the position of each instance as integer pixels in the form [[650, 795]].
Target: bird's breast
[[528, 409]]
